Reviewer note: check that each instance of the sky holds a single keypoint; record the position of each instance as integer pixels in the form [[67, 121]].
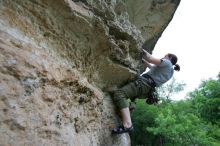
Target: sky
[[193, 35]]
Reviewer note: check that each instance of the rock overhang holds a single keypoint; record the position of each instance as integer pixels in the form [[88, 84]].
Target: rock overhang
[[55, 53]]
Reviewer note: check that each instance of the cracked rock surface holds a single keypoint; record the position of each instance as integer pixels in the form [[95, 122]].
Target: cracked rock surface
[[58, 57]]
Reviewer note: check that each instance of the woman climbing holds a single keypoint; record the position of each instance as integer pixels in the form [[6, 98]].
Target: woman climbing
[[160, 72]]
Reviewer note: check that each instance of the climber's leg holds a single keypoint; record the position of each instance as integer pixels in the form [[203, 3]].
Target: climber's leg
[[120, 99], [133, 89], [121, 95]]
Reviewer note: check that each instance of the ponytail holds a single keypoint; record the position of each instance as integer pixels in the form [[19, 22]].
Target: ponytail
[[173, 59], [176, 67]]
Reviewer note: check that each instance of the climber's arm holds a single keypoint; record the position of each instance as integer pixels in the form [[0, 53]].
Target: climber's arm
[[148, 57], [146, 63]]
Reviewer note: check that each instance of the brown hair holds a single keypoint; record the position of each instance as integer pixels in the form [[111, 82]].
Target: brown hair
[[173, 59]]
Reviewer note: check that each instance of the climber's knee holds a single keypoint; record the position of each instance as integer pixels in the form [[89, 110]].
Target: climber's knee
[[120, 99]]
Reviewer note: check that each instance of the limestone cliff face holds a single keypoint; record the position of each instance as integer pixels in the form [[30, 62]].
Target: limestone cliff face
[[57, 57]]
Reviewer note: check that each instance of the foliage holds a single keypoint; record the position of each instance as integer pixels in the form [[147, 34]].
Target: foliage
[[207, 100], [194, 121], [143, 116], [180, 126]]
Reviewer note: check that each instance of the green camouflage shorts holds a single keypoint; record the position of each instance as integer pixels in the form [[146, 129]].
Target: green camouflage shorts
[[138, 88]]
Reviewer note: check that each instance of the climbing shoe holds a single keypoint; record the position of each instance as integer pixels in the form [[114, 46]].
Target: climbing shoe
[[122, 129]]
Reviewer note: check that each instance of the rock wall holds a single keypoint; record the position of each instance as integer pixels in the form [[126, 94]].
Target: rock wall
[[58, 57]]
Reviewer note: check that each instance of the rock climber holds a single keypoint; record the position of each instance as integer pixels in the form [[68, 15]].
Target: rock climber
[[160, 71]]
